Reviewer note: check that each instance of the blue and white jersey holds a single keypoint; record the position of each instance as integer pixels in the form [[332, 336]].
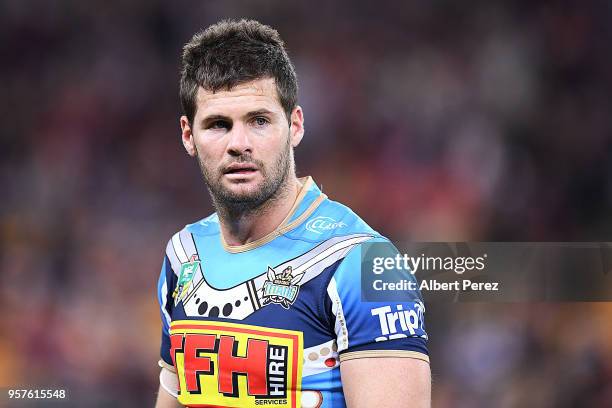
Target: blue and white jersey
[[269, 322]]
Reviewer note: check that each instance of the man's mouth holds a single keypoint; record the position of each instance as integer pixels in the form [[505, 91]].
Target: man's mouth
[[240, 168]]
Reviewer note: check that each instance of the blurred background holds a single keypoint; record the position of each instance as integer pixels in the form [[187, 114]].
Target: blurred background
[[433, 120]]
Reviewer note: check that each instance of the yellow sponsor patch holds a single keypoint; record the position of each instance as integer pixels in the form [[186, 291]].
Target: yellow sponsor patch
[[236, 365]]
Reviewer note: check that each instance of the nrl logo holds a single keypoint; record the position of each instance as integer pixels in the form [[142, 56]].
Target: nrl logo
[[186, 275], [281, 287]]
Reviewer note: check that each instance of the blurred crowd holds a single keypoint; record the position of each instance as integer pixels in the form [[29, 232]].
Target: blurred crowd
[[433, 120]]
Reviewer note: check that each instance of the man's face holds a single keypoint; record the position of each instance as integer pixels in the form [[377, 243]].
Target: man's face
[[243, 142]]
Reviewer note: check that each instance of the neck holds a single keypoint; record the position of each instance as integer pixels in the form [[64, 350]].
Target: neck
[[240, 227]]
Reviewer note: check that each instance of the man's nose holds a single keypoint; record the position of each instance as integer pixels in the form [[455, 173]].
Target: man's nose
[[239, 140]]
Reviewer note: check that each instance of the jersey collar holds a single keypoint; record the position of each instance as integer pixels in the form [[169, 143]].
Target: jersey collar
[[308, 199]]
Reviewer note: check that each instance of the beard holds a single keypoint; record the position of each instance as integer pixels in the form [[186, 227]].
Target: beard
[[234, 203]]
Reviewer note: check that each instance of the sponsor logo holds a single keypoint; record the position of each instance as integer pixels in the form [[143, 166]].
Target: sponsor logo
[[185, 277], [281, 287], [410, 321], [236, 365], [320, 224]]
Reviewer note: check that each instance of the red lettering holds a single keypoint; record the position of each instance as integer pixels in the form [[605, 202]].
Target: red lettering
[[253, 365], [176, 343], [194, 364]]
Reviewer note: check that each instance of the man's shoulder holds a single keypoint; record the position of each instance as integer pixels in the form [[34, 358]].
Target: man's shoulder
[[331, 219], [206, 226]]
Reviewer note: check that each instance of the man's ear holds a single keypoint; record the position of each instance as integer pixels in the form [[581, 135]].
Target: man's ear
[[296, 130], [187, 136]]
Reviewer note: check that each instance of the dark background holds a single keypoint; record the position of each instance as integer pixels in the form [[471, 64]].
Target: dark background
[[433, 120]]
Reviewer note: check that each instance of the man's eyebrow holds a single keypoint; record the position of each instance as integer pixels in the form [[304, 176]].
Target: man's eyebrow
[[211, 118], [262, 111], [215, 117]]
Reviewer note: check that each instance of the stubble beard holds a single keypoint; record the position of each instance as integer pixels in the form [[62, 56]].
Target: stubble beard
[[274, 186]]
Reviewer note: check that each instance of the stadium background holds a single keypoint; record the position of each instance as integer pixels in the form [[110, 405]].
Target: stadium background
[[434, 120]]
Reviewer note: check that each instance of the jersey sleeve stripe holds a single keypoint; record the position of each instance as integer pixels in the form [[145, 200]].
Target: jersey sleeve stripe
[[351, 355], [340, 326], [173, 258], [187, 243], [178, 248]]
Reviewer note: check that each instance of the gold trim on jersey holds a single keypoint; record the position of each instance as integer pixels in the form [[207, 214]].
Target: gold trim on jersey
[[351, 355]]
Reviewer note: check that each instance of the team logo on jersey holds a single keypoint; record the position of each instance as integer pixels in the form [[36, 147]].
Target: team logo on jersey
[[281, 287], [186, 275], [320, 224], [236, 365]]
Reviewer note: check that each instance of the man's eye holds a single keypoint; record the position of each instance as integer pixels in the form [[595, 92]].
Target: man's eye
[[260, 121], [219, 124]]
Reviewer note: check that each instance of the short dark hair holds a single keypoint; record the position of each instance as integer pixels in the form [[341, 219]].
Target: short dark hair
[[232, 52]]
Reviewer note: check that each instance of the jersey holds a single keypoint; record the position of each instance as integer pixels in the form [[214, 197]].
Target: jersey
[[269, 322]]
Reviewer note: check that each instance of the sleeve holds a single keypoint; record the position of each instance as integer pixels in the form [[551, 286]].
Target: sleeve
[[165, 286], [390, 326]]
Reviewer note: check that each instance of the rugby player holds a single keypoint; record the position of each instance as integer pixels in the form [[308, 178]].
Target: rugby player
[[260, 301]]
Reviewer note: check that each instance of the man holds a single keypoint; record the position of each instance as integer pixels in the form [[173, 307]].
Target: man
[[260, 301]]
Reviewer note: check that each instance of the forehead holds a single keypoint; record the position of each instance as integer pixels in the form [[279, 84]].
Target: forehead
[[258, 94]]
